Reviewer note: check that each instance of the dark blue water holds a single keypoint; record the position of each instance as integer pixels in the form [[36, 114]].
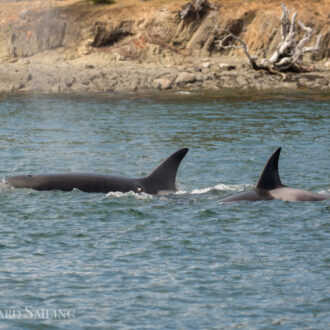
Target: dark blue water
[[184, 261]]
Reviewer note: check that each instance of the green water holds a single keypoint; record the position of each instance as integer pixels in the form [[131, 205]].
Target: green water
[[183, 261]]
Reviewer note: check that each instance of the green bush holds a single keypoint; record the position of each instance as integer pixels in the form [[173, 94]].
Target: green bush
[[108, 2]]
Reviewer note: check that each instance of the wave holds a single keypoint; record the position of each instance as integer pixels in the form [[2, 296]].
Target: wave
[[118, 194], [325, 192], [223, 187], [181, 192], [183, 93], [4, 185]]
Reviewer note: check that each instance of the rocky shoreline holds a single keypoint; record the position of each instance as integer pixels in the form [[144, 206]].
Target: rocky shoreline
[[76, 47], [92, 74]]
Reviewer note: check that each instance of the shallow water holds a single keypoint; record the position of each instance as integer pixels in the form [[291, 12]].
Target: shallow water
[[176, 261]]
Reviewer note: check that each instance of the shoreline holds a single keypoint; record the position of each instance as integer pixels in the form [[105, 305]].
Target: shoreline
[[73, 46], [169, 96], [47, 73]]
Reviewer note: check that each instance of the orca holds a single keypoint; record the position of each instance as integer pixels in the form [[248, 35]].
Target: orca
[[161, 180], [269, 186]]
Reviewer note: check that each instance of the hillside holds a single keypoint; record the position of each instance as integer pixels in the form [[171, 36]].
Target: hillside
[[143, 33]]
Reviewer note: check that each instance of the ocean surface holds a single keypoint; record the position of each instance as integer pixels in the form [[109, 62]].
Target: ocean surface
[[73, 260]]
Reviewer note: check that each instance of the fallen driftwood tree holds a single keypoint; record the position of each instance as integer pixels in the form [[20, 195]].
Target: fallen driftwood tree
[[288, 55]]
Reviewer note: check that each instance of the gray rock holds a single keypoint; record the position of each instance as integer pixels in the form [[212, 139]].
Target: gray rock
[[288, 85], [200, 77], [226, 67], [70, 82], [185, 78], [162, 83], [303, 82], [323, 82], [241, 81]]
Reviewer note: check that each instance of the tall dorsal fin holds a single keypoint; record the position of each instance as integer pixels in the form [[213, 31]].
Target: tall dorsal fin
[[163, 177], [269, 178]]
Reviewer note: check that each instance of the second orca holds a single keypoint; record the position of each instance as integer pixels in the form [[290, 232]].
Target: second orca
[[269, 186]]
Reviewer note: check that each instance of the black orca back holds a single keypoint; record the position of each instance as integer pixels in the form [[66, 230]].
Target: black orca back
[[161, 179]]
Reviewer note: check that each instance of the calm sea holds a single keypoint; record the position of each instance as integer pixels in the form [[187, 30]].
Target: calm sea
[[183, 261]]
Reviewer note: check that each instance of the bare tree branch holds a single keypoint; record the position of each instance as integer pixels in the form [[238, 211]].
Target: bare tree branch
[[314, 48], [285, 25], [252, 59]]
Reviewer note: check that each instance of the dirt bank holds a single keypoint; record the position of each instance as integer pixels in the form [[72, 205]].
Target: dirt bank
[[70, 45]]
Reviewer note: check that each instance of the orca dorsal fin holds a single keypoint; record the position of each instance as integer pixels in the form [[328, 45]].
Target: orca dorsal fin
[[269, 178], [163, 177]]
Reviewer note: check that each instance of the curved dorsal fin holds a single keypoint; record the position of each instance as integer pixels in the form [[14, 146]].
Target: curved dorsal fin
[[163, 177], [269, 178]]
